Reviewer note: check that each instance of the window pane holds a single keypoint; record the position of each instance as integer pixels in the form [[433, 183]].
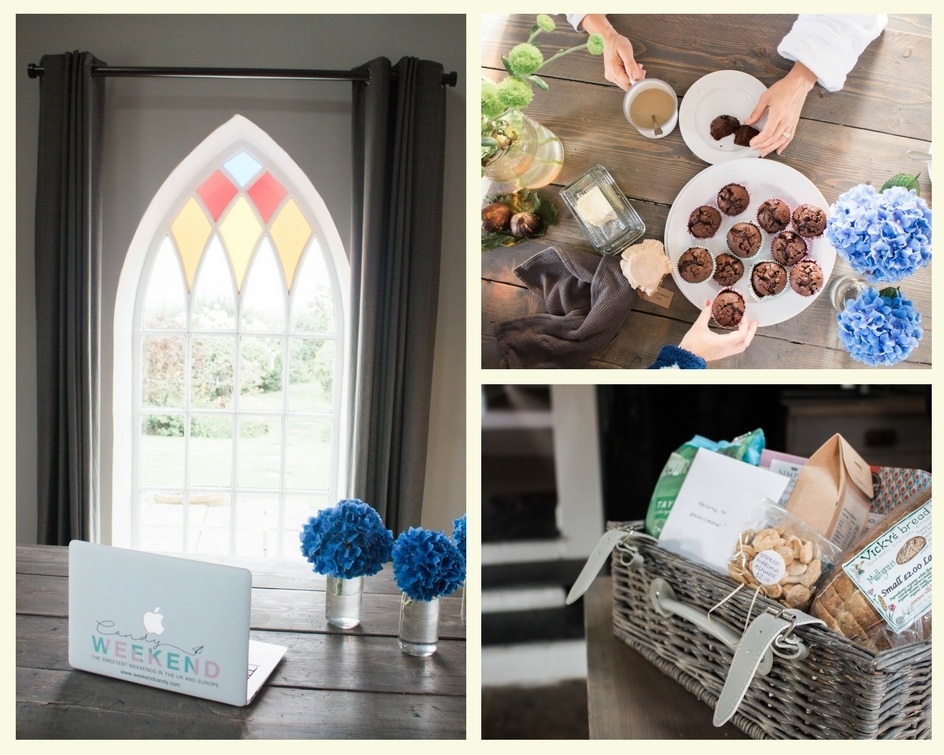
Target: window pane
[[211, 450], [214, 303], [260, 452], [311, 375], [161, 523], [208, 517], [162, 365], [313, 300], [213, 360], [256, 518], [260, 374], [263, 297], [308, 454], [162, 451], [297, 511], [165, 305]]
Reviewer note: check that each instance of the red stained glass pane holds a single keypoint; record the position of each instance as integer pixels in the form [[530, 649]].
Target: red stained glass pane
[[217, 192], [267, 193]]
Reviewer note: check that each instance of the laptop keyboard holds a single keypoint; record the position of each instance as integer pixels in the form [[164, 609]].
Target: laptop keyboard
[[252, 669]]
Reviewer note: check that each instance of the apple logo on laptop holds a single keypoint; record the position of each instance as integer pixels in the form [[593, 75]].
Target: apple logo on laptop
[[153, 621]]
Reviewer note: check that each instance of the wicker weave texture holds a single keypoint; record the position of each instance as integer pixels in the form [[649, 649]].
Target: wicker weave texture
[[839, 691]]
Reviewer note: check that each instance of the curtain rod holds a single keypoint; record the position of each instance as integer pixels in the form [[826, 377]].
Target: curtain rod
[[34, 71]]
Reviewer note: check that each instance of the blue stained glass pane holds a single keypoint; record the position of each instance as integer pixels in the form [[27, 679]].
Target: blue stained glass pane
[[242, 168]]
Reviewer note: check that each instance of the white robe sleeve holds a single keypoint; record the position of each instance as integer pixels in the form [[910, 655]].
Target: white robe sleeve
[[830, 45], [575, 19]]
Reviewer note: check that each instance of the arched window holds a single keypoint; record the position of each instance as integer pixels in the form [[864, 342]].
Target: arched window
[[229, 344]]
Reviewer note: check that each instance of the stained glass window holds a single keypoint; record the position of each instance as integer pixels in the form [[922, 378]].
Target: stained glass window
[[238, 337]]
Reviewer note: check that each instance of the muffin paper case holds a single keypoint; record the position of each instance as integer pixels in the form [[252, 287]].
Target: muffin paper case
[[758, 297], [809, 220], [740, 229], [799, 270], [766, 218], [735, 197], [710, 274], [789, 237], [726, 267], [722, 306], [704, 222]]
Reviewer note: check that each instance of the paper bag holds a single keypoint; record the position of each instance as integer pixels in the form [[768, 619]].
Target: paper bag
[[833, 492]]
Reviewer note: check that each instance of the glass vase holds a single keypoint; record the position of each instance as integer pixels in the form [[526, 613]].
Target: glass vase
[[844, 289], [343, 601], [419, 625], [533, 159]]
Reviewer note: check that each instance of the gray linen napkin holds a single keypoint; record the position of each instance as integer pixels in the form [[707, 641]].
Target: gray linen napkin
[[587, 300]]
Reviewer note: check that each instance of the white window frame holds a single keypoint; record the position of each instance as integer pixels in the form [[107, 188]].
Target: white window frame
[[192, 170]]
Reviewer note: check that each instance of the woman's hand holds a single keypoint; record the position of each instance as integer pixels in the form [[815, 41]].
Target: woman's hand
[[705, 343], [783, 103], [619, 63]]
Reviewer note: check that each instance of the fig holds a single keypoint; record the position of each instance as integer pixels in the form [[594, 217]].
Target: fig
[[495, 217], [525, 225]]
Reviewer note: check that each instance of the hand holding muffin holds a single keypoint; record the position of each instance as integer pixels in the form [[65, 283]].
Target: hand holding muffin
[[710, 346]]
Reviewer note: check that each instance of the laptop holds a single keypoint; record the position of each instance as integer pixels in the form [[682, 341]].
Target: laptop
[[166, 622]]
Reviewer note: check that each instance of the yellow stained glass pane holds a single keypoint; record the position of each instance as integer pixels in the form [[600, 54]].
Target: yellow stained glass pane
[[290, 232], [240, 232], [190, 229]]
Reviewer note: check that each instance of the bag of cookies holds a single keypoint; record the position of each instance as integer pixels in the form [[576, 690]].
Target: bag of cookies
[[781, 556]]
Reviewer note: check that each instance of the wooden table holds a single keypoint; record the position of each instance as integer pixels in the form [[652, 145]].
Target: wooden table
[[628, 697], [859, 135], [331, 684]]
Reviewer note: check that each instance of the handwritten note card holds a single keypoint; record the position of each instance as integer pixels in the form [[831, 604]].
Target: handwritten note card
[[716, 499]]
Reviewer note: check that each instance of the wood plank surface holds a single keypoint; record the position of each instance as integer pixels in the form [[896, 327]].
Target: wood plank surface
[[331, 683], [73, 705], [628, 697], [860, 135]]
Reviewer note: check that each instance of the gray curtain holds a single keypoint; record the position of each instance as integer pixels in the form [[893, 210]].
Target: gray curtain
[[68, 280], [398, 144]]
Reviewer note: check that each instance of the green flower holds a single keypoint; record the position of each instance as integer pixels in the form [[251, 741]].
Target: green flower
[[545, 22], [492, 105], [525, 59], [515, 93], [595, 44]]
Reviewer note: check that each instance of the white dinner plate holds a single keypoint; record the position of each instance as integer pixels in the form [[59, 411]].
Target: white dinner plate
[[719, 93], [763, 179]]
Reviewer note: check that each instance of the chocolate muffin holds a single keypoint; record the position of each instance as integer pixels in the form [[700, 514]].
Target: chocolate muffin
[[704, 222], [728, 270], [809, 220], [788, 248], [768, 278], [773, 215], [806, 277], [728, 308], [695, 265], [744, 134], [744, 239], [733, 199], [724, 125]]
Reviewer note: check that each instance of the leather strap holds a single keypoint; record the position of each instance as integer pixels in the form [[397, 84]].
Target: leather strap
[[598, 557], [768, 631]]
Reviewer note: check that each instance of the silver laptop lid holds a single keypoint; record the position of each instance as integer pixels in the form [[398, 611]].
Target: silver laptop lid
[[162, 621]]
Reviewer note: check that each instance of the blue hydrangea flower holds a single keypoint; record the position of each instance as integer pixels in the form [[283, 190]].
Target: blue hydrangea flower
[[427, 564], [879, 328], [458, 534], [347, 540], [885, 236]]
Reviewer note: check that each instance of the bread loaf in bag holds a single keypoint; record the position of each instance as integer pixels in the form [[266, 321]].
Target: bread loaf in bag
[[879, 592]]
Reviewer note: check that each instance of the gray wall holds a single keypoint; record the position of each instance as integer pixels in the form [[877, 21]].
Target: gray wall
[[152, 124]]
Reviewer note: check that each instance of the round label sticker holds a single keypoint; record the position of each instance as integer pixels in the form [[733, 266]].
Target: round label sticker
[[768, 567]]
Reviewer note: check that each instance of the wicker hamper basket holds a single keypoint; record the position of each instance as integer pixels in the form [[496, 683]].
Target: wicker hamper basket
[[838, 691]]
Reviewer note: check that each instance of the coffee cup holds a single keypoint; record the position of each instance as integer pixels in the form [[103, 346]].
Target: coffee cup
[[648, 98]]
